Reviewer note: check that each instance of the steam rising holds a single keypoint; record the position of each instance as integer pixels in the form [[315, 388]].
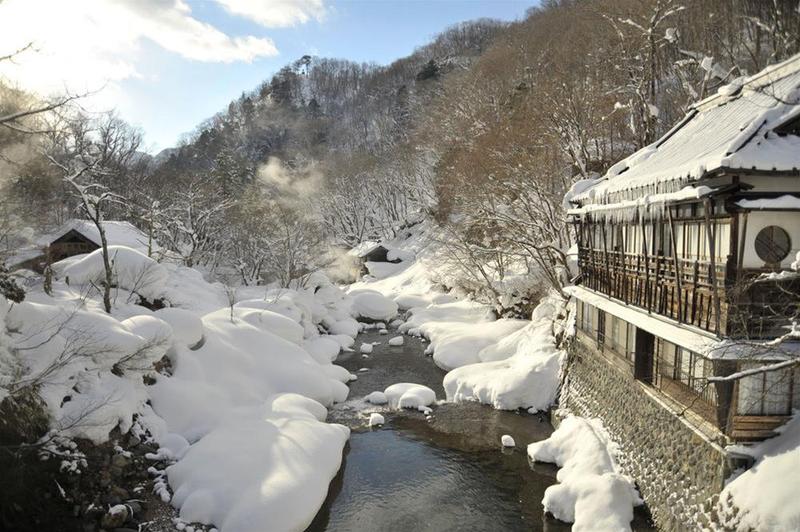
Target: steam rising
[[300, 183]]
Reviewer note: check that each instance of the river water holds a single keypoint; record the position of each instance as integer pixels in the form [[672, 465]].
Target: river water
[[445, 472]]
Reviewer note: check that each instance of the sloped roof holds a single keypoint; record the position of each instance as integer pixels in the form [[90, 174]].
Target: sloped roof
[[117, 234], [730, 130]]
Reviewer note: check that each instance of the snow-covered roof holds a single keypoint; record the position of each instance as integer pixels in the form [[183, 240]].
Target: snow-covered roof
[[733, 129], [117, 234], [787, 202]]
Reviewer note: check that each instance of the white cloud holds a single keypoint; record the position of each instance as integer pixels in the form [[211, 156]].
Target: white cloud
[[85, 44], [276, 13]]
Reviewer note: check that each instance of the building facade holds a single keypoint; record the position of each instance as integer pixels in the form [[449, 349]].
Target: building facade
[[688, 287]]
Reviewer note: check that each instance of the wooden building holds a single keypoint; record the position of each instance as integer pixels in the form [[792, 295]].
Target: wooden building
[[688, 257], [77, 237]]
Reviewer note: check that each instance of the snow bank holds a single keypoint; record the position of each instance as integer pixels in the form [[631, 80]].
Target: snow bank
[[765, 496], [186, 288], [133, 271], [519, 371], [372, 305], [242, 362], [268, 464], [242, 411], [591, 494], [69, 353], [409, 395], [459, 331], [187, 328]]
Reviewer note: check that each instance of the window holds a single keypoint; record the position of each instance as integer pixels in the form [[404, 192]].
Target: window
[[773, 244], [601, 327], [679, 365], [585, 317], [767, 394]]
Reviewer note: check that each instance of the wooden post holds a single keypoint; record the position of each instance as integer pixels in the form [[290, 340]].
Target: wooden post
[[712, 254], [676, 263], [740, 262], [646, 268], [609, 282]]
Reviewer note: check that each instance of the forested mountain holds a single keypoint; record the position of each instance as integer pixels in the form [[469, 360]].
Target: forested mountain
[[483, 130]]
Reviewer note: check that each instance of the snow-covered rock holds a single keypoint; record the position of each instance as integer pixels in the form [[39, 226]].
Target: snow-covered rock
[[375, 420], [591, 493], [366, 348], [409, 395], [396, 341], [507, 441], [373, 305], [376, 398]]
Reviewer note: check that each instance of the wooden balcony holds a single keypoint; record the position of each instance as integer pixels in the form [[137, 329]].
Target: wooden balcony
[[678, 289], [745, 306]]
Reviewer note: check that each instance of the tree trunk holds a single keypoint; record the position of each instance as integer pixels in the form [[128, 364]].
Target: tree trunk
[[107, 265]]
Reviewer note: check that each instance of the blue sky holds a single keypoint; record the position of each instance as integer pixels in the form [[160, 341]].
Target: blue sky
[[184, 92], [168, 64]]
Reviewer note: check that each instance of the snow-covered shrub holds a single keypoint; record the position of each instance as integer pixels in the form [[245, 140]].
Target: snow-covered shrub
[[9, 287]]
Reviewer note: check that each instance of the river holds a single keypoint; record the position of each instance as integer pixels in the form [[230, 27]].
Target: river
[[441, 473]]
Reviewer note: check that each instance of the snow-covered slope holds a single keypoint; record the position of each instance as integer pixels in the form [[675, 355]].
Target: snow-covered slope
[[241, 408]]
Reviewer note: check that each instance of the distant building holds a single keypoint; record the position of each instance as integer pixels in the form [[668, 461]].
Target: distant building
[[371, 252], [685, 252], [77, 237]]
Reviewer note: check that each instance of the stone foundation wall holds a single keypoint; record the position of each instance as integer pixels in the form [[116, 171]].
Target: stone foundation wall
[[679, 471]]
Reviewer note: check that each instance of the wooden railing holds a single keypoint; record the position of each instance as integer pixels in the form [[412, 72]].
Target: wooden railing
[[679, 289], [696, 292]]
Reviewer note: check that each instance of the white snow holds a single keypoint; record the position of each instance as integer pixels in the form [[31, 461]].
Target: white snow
[[786, 201], [396, 341], [519, 371], [591, 493], [132, 271], [765, 496], [242, 411], [187, 327], [376, 419], [458, 331], [270, 463], [409, 395], [507, 441]]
